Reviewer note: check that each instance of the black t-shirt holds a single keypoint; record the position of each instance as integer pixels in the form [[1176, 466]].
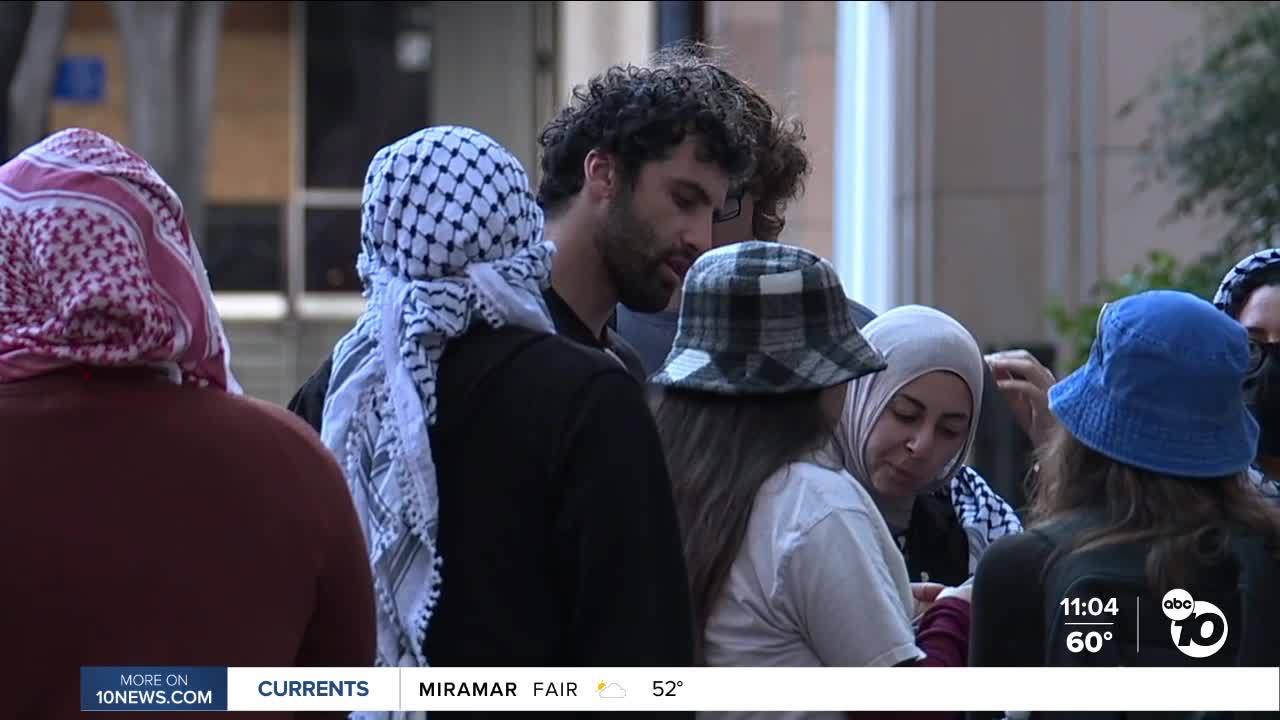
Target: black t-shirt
[[308, 401], [935, 545], [571, 326]]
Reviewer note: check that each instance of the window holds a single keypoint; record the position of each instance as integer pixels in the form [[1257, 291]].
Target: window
[[333, 241], [242, 248], [864, 233], [367, 72]]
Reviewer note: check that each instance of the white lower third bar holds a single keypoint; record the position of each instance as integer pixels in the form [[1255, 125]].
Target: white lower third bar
[[755, 689]]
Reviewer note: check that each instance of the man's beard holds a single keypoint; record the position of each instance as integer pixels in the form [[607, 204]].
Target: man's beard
[[633, 258]]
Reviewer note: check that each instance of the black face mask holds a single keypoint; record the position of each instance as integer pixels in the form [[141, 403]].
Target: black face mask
[[1262, 397]]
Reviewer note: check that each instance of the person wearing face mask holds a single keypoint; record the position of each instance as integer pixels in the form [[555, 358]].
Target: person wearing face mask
[[1141, 491], [1250, 293], [905, 434]]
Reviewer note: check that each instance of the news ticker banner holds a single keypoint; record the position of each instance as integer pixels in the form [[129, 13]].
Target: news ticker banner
[[679, 689]]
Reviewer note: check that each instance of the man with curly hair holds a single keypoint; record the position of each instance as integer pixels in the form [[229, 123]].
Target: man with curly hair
[[635, 171], [755, 208]]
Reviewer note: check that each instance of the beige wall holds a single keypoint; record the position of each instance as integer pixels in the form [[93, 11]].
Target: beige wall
[[1015, 182], [986, 187], [788, 50], [249, 160], [501, 94], [592, 35], [1137, 39]]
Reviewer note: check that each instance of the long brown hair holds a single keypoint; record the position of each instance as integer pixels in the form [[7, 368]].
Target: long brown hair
[[1184, 521], [720, 450]]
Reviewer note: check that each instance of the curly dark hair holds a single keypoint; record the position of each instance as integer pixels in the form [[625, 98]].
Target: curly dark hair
[[780, 160], [781, 168], [1241, 293], [640, 114]]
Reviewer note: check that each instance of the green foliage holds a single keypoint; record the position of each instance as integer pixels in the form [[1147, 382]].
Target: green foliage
[[1161, 271], [1215, 140]]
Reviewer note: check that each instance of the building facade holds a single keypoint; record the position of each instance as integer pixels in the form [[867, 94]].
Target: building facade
[[965, 155]]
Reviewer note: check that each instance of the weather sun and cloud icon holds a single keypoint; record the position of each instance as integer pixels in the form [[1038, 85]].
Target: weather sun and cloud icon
[[610, 690]]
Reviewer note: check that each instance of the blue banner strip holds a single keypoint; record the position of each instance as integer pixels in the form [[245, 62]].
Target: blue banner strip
[[169, 688]]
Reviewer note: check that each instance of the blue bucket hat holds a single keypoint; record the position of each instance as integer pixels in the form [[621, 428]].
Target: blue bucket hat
[[1161, 390]]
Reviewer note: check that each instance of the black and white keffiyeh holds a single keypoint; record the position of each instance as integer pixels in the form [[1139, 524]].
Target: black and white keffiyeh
[[1240, 280], [450, 235], [915, 341], [984, 515]]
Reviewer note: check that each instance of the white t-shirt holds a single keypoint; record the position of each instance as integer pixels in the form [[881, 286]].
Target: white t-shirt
[[818, 582]]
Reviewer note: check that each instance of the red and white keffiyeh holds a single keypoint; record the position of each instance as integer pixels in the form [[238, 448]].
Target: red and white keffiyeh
[[98, 267]]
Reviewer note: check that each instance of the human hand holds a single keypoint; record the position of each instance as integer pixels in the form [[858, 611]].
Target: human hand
[[1025, 383], [924, 595], [963, 592]]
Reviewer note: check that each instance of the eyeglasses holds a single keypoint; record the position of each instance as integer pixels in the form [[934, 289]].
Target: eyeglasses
[[732, 208]]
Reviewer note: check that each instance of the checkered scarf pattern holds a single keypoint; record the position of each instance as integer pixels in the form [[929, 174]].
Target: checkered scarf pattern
[[763, 318], [984, 515], [451, 235], [1229, 298], [98, 267]]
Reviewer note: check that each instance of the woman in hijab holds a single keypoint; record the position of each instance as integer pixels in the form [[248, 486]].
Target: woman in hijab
[[906, 433], [153, 512], [1250, 293], [789, 562]]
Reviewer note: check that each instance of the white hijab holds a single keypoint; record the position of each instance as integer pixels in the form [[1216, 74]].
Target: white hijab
[[915, 341]]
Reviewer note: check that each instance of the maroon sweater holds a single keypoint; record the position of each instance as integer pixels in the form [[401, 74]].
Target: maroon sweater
[[944, 634], [150, 524]]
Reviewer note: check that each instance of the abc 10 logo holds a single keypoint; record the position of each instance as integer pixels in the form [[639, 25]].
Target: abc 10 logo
[[1199, 628]]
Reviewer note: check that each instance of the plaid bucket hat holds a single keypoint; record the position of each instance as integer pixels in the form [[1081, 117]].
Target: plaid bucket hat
[[764, 318]]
